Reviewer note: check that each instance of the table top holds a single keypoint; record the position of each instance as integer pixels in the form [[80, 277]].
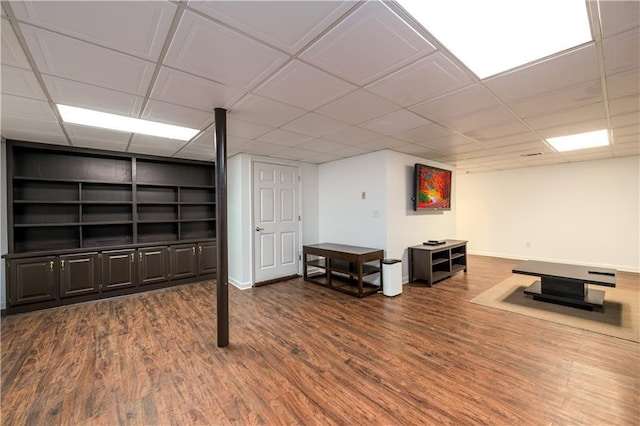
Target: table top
[[448, 244], [586, 274], [355, 250]]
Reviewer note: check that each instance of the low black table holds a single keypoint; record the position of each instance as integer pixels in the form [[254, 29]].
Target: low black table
[[567, 284]]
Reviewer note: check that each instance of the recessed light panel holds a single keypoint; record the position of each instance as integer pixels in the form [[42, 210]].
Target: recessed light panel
[[580, 141], [122, 123], [492, 36]]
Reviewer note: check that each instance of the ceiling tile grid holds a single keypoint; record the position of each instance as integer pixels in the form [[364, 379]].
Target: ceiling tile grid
[[311, 81]]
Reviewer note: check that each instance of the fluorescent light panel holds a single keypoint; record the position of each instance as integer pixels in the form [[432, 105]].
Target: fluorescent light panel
[[492, 36], [122, 123], [580, 141]]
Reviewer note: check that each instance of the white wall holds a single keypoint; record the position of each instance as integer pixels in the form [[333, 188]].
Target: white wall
[[239, 216], [385, 219], [240, 212], [406, 227], [582, 213]]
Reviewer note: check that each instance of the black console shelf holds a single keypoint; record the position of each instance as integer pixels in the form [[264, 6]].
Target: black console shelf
[[433, 263], [77, 207]]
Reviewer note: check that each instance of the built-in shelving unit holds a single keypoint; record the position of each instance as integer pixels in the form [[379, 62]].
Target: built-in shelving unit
[[62, 199]]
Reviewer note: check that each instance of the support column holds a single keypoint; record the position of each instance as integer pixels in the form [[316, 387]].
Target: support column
[[222, 275]]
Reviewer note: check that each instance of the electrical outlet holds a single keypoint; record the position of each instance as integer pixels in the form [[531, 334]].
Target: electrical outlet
[[528, 244], [364, 195]]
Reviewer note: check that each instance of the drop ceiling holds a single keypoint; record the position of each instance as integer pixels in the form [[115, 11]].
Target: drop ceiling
[[313, 81]]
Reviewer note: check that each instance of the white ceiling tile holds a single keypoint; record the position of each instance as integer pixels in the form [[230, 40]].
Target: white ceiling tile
[[351, 151], [417, 150], [141, 26], [304, 86], [234, 142], [622, 120], [568, 69], [194, 92], [625, 149], [93, 137], [357, 107], [423, 133], [624, 105], [455, 148], [314, 124], [628, 139], [480, 119], [445, 143], [588, 154], [212, 51], [152, 145], [284, 137], [321, 145], [296, 153], [203, 141], [395, 122], [512, 127], [32, 129], [318, 158], [462, 102], [261, 148], [256, 109], [574, 128], [288, 25], [25, 107], [65, 57], [511, 139], [176, 114], [245, 129], [425, 79], [621, 52], [622, 132], [21, 82], [352, 135], [619, 16], [12, 53], [544, 159], [574, 115], [572, 97], [195, 155], [73, 93], [624, 83], [368, 44], [384, 142]]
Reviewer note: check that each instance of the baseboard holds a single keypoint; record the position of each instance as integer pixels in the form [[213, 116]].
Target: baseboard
[[239, 285], [623, 268]]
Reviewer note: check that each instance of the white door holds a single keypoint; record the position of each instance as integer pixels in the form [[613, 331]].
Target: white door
[[275, 201]]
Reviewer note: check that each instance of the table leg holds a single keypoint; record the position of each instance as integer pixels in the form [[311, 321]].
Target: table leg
[[359, 266]]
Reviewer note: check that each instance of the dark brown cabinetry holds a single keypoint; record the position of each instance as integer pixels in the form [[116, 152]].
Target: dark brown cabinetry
[[207, 258], [86, 224], [32, 280], [153, 264], [79, 274], [118, 269], [183, 261]]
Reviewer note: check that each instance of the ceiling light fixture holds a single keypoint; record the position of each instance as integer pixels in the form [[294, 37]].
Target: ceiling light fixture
[[492, 36], [580, 141], [122, 123]]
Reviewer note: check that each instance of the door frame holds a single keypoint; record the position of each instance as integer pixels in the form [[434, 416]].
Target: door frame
[[276, 162]]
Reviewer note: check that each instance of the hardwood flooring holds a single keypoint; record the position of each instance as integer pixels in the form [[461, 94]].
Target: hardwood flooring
[[303, 354]]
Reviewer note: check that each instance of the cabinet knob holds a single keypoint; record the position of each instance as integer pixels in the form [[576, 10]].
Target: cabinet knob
[[200, 249], [140, 256], [62, 264], [51, 266], [193, 250], [132, 258]]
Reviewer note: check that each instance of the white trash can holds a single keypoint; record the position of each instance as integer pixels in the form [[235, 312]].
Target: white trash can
[[391, 277]]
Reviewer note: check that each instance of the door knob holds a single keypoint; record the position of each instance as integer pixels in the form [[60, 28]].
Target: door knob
[[259, 229]]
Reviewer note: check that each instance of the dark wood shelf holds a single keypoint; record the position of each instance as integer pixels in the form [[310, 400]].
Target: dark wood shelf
[[433, 263], [166, 185], [101, 223], [46, 202], [44, 225], [46, 179], [208, 219]]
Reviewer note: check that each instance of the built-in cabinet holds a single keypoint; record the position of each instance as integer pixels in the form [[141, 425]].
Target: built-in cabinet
[[87, 224]]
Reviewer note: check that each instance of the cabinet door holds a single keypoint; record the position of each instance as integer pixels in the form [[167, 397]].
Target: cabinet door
[[32, 280], [153, 265], [118, 268], [79, 274], [183, 261], [207, 258]]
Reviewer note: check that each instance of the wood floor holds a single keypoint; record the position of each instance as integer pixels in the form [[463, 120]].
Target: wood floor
[[303, 354]]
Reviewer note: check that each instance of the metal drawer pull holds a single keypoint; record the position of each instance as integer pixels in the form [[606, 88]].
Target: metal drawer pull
[[51, 266], [62, 264], [193, 250], [132, 258]]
